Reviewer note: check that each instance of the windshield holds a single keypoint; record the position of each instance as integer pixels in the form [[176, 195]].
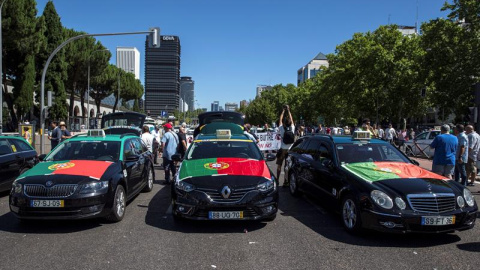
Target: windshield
[[369, 152], [224, 149], [123, 120], [86, 150]]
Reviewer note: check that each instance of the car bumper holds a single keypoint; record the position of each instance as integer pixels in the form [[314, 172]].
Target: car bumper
[[411, 223], [74, 208], [196, 207]]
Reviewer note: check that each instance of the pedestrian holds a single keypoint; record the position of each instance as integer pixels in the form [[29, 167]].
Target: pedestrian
[[445, 146], [473, 149], [156, 143], [147, 138], [381, 133], [286, 126], [402, 134], [411, 134], [169, 148], [65, 132], [182, 139], [390, 134], [375, 131], [247, 131], [55, 135], [320, 129], [27, 135], [461, 155], [300, 132]]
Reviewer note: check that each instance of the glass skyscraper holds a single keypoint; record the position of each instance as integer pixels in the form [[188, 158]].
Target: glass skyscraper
[[162, 76]]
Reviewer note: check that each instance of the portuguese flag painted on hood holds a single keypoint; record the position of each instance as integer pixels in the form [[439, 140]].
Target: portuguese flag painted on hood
[[223, 166], [377, 171], [89, 168]]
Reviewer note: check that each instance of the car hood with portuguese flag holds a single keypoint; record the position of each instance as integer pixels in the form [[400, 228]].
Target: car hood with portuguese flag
[[401, 177], [85, 168], [220, 169]]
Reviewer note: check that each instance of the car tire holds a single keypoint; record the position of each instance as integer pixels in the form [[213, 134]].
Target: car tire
[[150, 180], [350, 214], [293, 186], [119, 205]]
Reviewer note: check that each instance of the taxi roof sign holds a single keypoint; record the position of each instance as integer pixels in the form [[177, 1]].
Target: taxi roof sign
[[361, 135], [224, 134], [96, 133]]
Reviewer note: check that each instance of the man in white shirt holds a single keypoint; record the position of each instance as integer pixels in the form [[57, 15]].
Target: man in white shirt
[[287, 129], [156, 143], [390, 134], [381, 133], [147, 138]]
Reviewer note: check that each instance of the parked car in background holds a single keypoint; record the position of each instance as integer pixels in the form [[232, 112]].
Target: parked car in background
[[422, 141], [16, 157]]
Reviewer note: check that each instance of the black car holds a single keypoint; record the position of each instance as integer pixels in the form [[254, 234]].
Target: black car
[[376, 186], [215, 117], [16, 157], [84, 177], [224, 176]]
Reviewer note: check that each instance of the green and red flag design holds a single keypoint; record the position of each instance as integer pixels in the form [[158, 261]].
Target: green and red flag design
[[89, 168], [377, 171], [227, 166]]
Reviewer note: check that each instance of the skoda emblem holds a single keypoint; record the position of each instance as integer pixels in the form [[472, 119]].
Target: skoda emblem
[[226, 192], [49, 183]]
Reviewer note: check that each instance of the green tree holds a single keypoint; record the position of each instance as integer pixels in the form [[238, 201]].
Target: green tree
[[104, 84], [25, 85]]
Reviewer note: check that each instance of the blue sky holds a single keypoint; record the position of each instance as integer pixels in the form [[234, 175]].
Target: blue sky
[[228, 47]]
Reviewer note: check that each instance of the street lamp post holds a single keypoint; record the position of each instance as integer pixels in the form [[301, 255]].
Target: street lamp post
[[1, 70], [88, 86]]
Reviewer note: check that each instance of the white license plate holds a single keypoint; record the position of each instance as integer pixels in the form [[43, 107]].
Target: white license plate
[[225, 215], [47, 203], [438, 221]]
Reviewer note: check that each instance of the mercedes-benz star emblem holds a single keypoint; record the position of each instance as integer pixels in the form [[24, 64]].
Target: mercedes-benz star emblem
[[226, 192], [49, 183]]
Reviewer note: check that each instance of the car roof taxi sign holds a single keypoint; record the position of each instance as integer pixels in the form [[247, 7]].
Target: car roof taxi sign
[[361, 135], [224, 134], [96, 133]]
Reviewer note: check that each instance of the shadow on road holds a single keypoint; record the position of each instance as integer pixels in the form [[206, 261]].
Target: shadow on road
[[472, 247], [159, 216], [310, 212]]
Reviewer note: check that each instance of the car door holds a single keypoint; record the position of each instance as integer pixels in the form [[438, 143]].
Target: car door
[[322, 168], [9, 164], [299, 161], [141, 150], [28, 155], [131, 168]]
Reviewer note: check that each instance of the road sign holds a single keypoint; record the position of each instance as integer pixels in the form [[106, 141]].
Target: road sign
[[164, 113]]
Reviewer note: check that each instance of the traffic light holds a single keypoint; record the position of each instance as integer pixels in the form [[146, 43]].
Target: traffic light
[[472, 114], [155, 37]]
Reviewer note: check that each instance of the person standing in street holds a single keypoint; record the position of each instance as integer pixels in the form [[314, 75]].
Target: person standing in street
[[65, 132], [320, 129], [473, 149], [55, 136], [381, 133], [156, 143], [27, 135], [169, 148], [461, 155], [147, 138], [287, 128], [182, 141], [390, 134], [445, 146]]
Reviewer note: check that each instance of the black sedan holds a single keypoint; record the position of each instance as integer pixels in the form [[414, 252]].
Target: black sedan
[[376, 186], [84, 177]]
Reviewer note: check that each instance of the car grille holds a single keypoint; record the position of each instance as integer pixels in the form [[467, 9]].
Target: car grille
[[432, 203], [236, 194], [57, 191]]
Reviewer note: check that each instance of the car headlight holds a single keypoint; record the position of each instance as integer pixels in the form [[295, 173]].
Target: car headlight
[[94, 187], [16, 187], [381, 199], [400, 203], [184, 186], [266, 186], [468, 197], [460, 202]]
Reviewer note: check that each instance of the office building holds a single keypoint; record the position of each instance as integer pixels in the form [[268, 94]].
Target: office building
[[162, 75], [128, 59], [215, 106], [231, 107], [407, 30], [243, 103], [312, 68], [261, 88], [187, 91]]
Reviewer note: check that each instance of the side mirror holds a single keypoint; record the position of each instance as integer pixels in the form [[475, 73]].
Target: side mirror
[[177, 157], [270, 157], [133, 158], [42, 157], [415, 162]]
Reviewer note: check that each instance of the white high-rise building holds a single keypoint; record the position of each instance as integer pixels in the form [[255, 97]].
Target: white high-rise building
[[128, 59], [312, 68]]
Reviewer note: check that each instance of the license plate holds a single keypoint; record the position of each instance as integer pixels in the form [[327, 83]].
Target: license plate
[[225, 215], [47, 203], [438, 221]]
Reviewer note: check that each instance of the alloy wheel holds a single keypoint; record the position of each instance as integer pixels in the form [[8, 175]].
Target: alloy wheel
[[349, 214]]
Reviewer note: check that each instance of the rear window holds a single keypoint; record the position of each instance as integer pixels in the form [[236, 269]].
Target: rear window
[[224, 149]]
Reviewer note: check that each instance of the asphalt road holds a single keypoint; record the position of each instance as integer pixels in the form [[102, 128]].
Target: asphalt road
[[304, 236]]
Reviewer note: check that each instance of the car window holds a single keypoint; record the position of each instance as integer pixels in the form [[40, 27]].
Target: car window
[[421, 136], [299, 146], [21, 145], [368, 152], [224, 149], [433, 134], [138, 146], [86, 150], [129, 148], [5, 147]]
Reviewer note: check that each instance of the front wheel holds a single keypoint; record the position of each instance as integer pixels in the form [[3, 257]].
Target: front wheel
[[351, 219], [118, 206], [294, 184], [150, 180]]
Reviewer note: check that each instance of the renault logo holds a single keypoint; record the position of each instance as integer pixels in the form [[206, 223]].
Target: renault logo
[[226, 192]]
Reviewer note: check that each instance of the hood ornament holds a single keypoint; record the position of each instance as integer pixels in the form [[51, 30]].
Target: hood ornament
[[226, 191], [49, 183]]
